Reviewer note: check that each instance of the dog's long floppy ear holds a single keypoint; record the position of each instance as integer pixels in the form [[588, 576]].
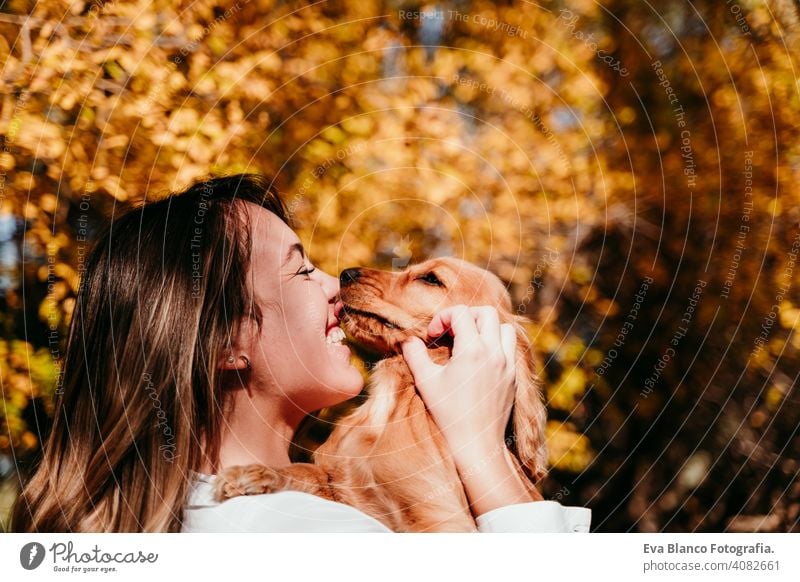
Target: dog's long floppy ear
[[528, 416]]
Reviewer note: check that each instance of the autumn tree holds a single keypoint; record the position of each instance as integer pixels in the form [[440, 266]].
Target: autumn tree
[[626, 169]]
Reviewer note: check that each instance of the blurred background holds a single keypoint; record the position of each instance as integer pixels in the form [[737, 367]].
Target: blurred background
[[629, 169]]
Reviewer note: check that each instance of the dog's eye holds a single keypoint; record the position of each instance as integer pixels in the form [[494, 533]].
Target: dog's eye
[[431, 279]]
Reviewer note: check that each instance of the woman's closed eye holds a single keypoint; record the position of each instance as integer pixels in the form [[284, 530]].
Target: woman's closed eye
[[306, 271]]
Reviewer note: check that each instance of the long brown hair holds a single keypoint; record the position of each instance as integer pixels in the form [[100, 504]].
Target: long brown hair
[[164, 289]]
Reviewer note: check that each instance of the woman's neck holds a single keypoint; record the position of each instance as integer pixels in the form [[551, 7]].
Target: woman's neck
[[254, 432]]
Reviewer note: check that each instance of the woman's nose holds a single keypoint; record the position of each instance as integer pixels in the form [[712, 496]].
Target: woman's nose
[[330, 284]]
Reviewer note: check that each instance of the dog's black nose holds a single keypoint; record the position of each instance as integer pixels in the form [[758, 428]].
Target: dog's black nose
[[349, 276]]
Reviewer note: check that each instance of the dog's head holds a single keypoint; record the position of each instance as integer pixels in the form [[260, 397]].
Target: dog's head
[[383, 308]]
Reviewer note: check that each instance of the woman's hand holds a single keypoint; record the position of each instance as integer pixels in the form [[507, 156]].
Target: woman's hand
[[470, 397], [470, 400]]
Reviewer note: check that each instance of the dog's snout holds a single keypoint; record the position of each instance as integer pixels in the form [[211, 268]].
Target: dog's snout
[[349, 276]]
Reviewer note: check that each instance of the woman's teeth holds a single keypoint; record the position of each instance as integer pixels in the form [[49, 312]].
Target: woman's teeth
[[335, 336]]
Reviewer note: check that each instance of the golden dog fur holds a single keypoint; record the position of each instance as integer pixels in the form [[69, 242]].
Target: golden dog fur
[[388, 458]]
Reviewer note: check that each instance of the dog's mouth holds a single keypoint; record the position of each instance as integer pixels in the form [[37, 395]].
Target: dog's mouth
[[349, 310], [357, 322]]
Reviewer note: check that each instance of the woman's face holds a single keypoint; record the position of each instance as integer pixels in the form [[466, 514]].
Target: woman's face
[[299, 352]]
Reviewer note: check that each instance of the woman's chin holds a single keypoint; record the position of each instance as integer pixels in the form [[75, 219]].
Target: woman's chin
[[339, 352], [348, 384], [345, 380]]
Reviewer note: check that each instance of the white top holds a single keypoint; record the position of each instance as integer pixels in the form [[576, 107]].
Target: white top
[[293, 511]]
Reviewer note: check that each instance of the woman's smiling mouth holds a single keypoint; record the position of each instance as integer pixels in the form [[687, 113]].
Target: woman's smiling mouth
[[335, 335], [334, 341]]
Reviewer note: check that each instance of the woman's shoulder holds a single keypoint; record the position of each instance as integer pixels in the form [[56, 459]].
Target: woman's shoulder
[[284, 511]]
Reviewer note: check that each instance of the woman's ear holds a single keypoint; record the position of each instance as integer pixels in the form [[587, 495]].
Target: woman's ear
[[230, 362], [236, 356], [529, 415]]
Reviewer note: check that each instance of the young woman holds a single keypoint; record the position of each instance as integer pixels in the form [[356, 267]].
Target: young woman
[[198, 342]]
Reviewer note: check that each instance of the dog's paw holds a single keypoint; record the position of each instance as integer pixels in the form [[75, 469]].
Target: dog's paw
[[247, 480]]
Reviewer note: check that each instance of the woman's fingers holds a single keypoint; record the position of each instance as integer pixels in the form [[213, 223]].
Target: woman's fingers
[[478, 327], [416, 356], [460, 321], [508, 339], [487, 321]]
